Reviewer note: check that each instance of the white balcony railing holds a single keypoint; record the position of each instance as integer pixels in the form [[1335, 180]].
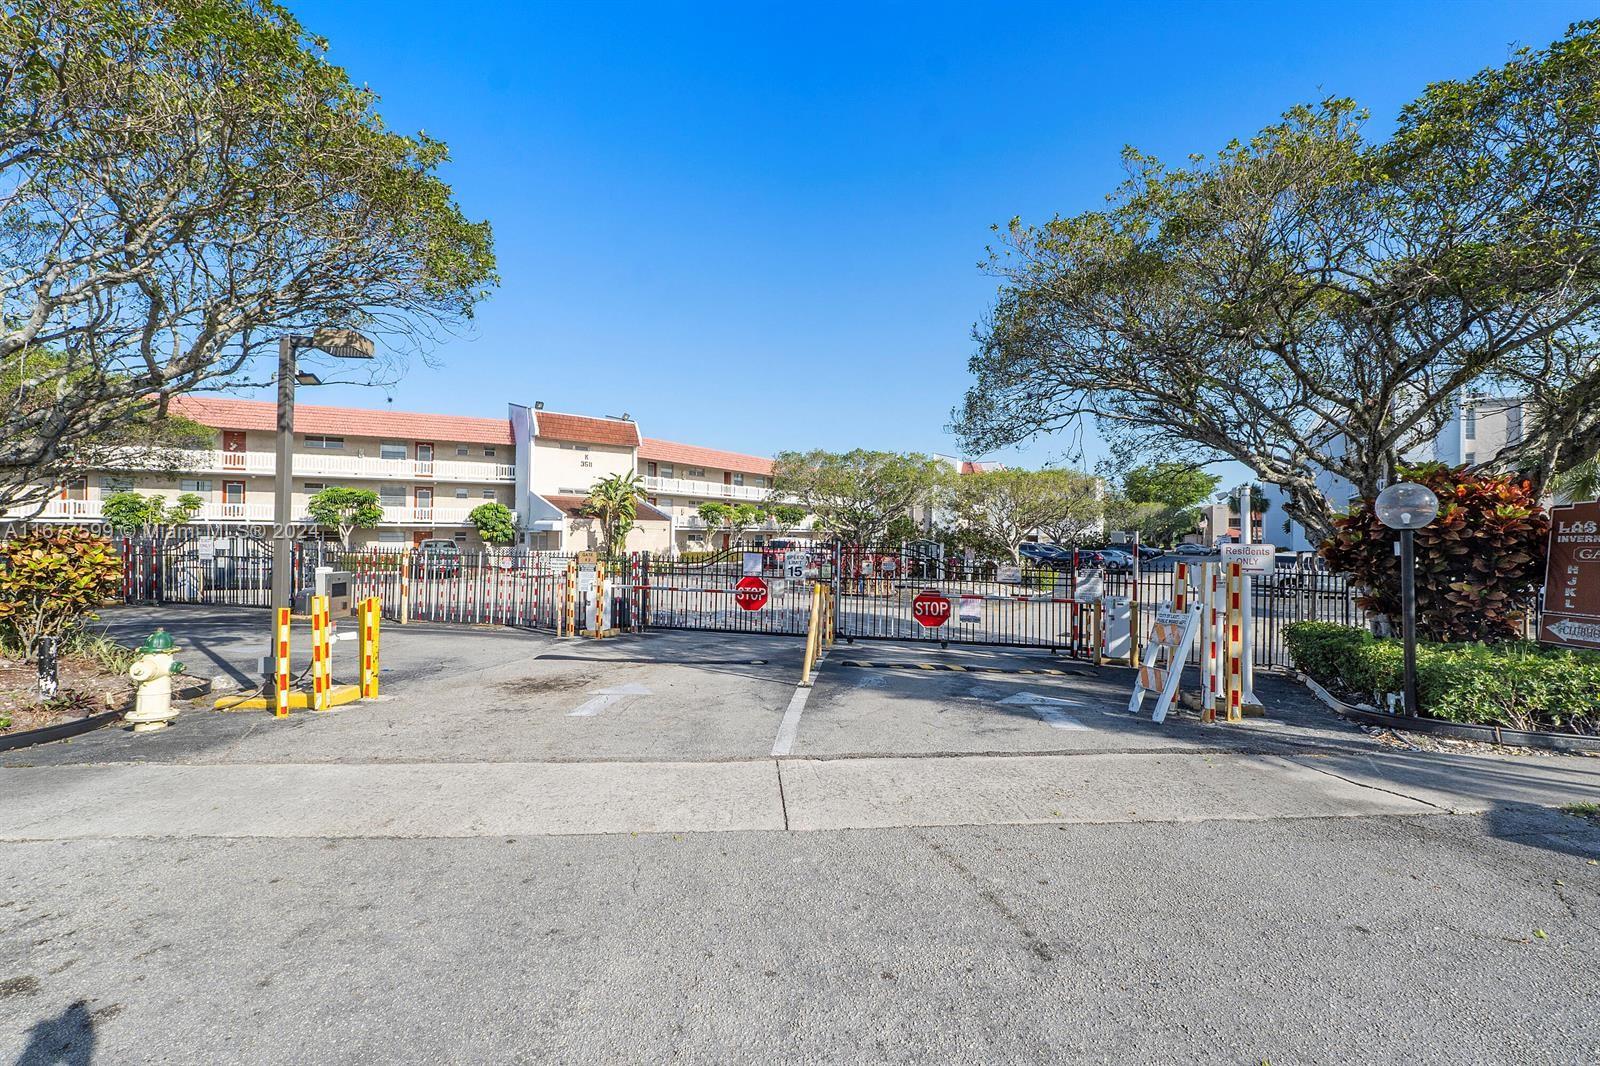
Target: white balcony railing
[[771, 525], [261, 512], [672, 486], [317, 464]]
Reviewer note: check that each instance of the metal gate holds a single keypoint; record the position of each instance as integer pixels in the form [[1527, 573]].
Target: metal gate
[[734, 592], [901, 593]]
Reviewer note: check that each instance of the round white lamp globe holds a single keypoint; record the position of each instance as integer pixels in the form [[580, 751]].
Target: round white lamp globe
[[1406, 505]]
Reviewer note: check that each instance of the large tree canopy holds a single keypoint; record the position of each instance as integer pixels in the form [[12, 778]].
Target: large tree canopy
[[999, 509], [858, 496], [182, 182], [1309, 300]]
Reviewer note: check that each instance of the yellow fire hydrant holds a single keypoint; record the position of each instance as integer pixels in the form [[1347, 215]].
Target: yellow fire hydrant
[[152, 672]]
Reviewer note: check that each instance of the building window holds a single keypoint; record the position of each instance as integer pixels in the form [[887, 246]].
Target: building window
[[391, 536], [392, 495], [76, 489], [694, 472], [314, 487], [1470, 418], [391, 449], [199, 485], [738, 479], [488, 494], [758, 481], [488, 453], [461, 494], [461, 537], [461, 449], [318, 442], [666, 470], [665, 501], [109, 485]]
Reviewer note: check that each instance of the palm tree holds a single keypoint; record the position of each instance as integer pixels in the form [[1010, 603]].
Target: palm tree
[[1582, 482], [614, 501]]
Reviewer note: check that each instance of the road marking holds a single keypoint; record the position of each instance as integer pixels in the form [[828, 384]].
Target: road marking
[[605, 698], [1048, 708], [789, 728]]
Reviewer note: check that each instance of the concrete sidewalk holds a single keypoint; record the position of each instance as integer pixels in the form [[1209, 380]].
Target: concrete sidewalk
[[563, 798]]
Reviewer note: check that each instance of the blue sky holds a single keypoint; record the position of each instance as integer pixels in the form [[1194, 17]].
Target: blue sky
[[757, 226]]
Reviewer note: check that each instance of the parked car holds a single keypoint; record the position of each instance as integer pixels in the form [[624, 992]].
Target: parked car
[[1051, 556], [1116, 559], [438, 556], [1193, 549]]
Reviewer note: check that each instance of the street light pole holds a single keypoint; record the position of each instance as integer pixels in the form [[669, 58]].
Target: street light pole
[[1408, 615], [283, 481], [342, 344], [1407, 507]]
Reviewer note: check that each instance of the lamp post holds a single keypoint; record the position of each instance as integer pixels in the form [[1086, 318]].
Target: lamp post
[[1408, 507], [342, 344]]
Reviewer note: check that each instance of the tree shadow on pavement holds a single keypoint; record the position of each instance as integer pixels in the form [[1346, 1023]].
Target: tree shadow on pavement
[[66, 1040]]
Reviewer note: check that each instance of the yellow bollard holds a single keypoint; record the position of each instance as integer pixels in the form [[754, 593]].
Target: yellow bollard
[[321, 664], [281, 665], [371, 613]]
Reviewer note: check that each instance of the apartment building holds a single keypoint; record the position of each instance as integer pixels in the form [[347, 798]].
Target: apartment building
[[431, 471]]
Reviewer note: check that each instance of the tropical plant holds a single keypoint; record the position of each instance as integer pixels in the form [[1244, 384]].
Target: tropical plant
[[1313, 300], [613, 501], [51, 580], [495, 523], [345, 510], [182, 183], [1479, 563], [126, 511], [715, 514]]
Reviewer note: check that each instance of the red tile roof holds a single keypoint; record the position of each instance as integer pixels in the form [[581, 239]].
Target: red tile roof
[[222, 412], [573, 505], [581, 429], [666, 451]]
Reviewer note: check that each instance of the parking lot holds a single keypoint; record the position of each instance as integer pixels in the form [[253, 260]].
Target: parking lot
[[540, 849]]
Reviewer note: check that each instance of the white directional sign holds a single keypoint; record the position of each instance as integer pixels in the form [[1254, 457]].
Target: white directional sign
[[1048, 708], [1255, 559], [605, 698]]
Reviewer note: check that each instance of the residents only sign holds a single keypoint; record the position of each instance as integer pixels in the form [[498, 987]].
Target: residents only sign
[[1252, 558], [1571, 615]]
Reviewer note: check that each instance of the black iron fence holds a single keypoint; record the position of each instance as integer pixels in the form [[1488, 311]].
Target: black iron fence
[[881, 593]]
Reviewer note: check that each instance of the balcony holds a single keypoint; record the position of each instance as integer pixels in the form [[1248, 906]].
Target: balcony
[[318, 464], [671, 486], [261, 512], [771, 525]]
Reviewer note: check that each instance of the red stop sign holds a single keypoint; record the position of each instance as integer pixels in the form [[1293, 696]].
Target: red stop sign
[[750, 593], [931, 609]]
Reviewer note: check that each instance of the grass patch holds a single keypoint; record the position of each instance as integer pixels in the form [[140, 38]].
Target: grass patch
[[1591, 811]]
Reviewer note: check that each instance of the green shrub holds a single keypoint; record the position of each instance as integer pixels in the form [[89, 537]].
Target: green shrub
[[1516, 685], [51, 579]]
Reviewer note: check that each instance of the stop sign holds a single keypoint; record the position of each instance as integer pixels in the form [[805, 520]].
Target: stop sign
[[750, 593], [931, 609]]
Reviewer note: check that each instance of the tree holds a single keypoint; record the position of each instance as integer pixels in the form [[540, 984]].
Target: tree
[[1077, 508], [1312, 301], [855, 495], [345, 510], [715, 514], [51, 579], [1176, 485], [1002, 508], [744, 516], [495, 523], [1479, 563], [126, 511], [181, 184], [614, 502], [789, 515]]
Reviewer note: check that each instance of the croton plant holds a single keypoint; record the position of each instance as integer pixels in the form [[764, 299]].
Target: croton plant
[[51, 580], [1479, 563]]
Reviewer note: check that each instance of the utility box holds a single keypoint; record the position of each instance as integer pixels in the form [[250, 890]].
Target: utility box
[[339, 587], [1117, 636]]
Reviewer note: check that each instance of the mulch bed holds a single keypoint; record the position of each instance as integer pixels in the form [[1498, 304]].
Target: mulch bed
[[86, 688]]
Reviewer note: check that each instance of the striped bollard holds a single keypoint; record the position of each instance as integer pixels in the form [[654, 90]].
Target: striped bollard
[[1235, 651], [371, 611], [321, 667], [280, 673]]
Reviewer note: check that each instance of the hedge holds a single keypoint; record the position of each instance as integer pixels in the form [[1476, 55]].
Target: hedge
[[1518, 685]]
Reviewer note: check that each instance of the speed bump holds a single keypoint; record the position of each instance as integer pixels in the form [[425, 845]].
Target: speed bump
[[956, 668]]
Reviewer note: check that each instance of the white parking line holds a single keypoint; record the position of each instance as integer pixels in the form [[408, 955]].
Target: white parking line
[[789, 728]]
